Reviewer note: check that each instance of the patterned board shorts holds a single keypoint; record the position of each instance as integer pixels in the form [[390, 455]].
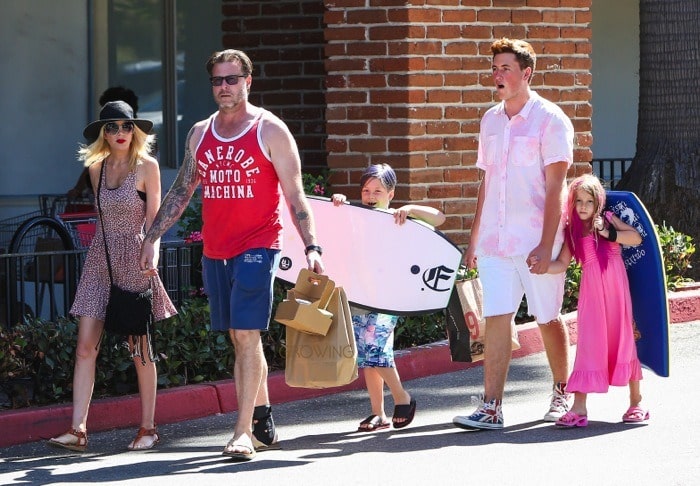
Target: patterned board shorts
[[374, 334]]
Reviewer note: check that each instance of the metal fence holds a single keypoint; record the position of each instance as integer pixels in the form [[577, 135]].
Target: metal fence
[[42, 283], [611, 170]]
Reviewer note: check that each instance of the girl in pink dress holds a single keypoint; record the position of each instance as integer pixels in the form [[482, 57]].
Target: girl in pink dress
[[606, 352]]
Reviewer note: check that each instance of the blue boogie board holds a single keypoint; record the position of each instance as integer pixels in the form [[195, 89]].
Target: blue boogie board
[[647, 278], [396, 269]]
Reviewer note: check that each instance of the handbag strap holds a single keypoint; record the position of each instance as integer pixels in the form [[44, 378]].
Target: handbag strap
[[102, 222]]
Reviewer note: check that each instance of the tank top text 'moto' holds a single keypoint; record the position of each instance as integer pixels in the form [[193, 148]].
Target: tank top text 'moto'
[[241, 194]]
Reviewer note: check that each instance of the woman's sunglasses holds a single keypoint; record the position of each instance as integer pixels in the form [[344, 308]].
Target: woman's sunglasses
[[113, 128]]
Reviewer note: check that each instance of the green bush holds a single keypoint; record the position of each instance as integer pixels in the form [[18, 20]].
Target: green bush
[[571, 287], [416, 330], [13, 360], [191, 219], [273, 340], [678, 250], [190, 352], [316, 185], [49, 356]]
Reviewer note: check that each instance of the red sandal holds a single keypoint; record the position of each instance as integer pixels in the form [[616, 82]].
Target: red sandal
[[79, 446], [143, 432]]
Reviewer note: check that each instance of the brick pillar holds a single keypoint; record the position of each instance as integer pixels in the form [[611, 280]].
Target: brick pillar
[[408, 81], [284, 39]]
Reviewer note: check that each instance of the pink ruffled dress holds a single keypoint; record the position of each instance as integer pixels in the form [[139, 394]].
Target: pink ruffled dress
[[606, 352]]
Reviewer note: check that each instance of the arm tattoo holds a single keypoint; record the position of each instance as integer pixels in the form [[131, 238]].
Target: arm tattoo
[[301, 215], [178, 197], [304, 224]]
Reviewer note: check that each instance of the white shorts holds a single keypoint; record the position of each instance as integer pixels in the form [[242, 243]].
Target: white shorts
[[506, 279]]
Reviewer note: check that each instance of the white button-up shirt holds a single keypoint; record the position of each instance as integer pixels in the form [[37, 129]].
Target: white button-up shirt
[[514, 153]]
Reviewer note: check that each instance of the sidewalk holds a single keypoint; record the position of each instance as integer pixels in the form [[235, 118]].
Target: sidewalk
[[194, 401]]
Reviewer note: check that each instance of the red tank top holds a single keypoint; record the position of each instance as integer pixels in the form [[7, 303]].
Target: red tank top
[[241, 194]]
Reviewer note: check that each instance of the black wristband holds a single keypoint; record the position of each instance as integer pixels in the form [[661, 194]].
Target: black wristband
[[612, 233], [315, 248]]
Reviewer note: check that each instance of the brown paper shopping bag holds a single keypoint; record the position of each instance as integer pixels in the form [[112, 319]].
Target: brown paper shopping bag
[[471, 297], [315, 361], [305, 307]]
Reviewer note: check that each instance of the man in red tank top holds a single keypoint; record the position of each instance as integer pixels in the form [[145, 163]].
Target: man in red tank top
[[245, 159]]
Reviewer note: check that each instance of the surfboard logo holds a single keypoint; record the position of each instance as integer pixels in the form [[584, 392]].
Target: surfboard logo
[[627, 214], [631, 255], [438, 278], [285, 263]]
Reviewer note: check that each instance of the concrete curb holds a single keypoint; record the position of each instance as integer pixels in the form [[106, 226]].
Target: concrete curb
[[195, 401]]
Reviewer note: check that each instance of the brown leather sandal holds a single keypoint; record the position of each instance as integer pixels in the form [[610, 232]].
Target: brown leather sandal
[[143, 432], [79, 446]]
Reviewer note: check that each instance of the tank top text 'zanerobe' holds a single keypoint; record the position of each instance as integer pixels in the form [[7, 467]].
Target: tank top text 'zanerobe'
[[241, 194]]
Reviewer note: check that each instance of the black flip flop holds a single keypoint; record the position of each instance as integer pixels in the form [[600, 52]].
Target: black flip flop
[[406, 412]]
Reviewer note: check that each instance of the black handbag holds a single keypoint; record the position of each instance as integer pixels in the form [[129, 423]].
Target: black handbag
[[128, 314]]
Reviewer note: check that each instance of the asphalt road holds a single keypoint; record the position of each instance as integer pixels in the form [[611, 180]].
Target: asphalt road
[[320, 446]]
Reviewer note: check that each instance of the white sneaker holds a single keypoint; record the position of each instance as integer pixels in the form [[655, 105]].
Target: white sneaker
[[559, 404]]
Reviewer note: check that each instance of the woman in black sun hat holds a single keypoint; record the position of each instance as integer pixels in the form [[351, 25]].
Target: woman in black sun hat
[[128, 192]]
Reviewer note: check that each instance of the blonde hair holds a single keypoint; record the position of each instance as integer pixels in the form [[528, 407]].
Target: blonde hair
[[141, 145]]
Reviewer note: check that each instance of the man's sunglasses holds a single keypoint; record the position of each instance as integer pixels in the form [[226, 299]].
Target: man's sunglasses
[[230, 80], [113, 128]]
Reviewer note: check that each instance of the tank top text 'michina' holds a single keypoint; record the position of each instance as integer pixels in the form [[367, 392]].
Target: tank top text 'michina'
[[241, 194]]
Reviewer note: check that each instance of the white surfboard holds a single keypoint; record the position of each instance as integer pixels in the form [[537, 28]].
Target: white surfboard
[[397, 269]]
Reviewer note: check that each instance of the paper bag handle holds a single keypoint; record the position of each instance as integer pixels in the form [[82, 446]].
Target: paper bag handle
[[318, 280]]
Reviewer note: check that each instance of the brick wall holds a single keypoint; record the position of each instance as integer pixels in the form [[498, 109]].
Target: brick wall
[[408, 81], [285, 41]]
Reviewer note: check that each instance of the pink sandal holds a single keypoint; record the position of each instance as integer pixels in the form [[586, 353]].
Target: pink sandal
[[635, 415], [572, 419]]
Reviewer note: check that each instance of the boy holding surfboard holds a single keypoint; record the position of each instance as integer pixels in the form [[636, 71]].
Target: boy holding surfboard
[[606, 353], [374, 331], [525, 149]]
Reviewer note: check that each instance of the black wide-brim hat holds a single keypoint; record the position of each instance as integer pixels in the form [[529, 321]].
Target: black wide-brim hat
[[115, 111]]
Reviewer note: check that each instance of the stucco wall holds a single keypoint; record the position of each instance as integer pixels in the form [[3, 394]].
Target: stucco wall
[[615, 84], [43, 81]]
